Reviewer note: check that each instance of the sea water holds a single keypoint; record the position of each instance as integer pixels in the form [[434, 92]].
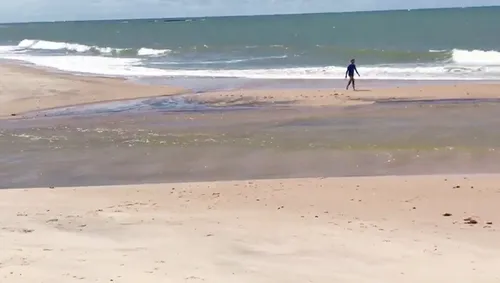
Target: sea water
[[438, 44]]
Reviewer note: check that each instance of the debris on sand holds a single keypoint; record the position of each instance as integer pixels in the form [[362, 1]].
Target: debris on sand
[[470, 220]]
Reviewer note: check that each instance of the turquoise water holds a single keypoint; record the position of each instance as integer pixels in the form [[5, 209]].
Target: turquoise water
[[420, 44]]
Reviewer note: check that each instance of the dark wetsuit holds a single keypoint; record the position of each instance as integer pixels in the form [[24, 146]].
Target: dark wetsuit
[[351, 69]]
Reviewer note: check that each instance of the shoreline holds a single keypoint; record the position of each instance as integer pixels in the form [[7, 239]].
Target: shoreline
[[342, 97], [204, 84], [25, 89], [57, 90]]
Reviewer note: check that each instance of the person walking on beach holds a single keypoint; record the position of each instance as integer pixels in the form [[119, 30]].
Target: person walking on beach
[[350, 71]]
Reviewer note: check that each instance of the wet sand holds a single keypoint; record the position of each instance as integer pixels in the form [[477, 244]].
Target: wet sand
[[24, 89], [250, 194], [342, 97], [380, 139]]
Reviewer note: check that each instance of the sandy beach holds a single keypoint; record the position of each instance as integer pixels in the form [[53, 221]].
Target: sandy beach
[[24, 89], [375, 229], [259, 195], [342, 97]]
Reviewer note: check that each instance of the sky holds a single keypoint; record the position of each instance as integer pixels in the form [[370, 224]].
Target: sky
[[57, 10]]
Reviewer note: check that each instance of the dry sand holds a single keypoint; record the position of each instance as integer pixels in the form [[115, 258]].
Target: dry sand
[[373, 229], [24, 89]]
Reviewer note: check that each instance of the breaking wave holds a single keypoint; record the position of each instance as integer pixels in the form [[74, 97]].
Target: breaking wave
[[456, 64], [34, 44], [476, 57]]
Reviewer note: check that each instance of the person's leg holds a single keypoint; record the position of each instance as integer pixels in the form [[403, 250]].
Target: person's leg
[[353, 84], [349, 83]]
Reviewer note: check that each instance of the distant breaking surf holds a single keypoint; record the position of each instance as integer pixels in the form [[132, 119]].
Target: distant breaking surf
[[453, 64], [35, 44]]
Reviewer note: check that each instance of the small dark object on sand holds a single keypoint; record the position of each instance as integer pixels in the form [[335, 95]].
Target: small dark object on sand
[[489, 223], [447, 214], [13, 114], [470, 220]]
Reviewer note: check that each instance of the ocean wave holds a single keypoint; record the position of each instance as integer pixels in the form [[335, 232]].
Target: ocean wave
[[461, 65], [476, 57], [222, 61], [133, 67], [9, 49], [457, 56], [34, 44], [152, 52]]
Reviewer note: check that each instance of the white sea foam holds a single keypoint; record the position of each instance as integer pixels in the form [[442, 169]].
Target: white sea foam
[[8, 49], [151, 52], [132, 67], [369, 72], [463, 65], [98, 65], [33, 44], [476, 57], [50, 45]]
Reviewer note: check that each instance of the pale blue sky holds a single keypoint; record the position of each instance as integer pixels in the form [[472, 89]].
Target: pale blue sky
[[55, 10]]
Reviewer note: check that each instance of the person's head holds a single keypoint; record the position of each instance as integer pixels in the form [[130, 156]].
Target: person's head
[[353, 61]]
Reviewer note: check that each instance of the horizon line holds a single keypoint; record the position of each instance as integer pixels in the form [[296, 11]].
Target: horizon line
[[250, 15]]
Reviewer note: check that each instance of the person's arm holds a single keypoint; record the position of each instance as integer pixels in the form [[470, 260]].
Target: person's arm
[[355, 69], [347, 71]]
